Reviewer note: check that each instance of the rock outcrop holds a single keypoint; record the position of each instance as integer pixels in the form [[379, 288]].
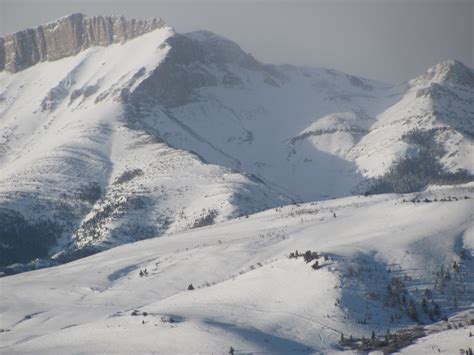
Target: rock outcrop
[[68, 36], [451, 72]]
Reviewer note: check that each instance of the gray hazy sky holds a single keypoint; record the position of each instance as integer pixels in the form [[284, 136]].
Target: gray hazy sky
[[389, 40]]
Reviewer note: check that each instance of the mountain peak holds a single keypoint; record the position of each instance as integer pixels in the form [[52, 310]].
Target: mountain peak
[[68, 36], [451, 72]]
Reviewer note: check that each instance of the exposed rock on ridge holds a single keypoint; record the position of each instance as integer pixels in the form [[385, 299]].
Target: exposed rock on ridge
[[451, 72], [186, 68], [68, 36]]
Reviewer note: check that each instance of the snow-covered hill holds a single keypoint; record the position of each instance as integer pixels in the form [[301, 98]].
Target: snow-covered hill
[[382, 263], [147, 132]]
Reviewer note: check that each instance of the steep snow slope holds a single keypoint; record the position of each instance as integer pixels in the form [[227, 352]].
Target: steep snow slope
[[248, 293], [73, 170]]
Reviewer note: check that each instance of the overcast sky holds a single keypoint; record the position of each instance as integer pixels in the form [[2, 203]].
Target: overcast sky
[[389, 40]]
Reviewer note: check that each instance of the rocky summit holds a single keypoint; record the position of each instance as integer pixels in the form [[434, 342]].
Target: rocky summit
[[68, 36]]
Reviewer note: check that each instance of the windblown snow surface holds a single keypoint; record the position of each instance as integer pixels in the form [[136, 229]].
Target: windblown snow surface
[[248, 293]]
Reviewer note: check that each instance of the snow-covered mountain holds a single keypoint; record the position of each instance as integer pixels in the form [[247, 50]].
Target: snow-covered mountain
[[77, 174], [375, 264], [439, 103], [115, 130]]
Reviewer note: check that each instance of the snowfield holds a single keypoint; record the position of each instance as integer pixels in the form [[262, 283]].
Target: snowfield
[[249, 294]]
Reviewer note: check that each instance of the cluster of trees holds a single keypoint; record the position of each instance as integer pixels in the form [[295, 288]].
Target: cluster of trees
[[443, 276], [414, 173], [207, 219], [388, 343], [447, 199], [426, 139], [308, 257], [89, 228], [21, 240], [128, 175], [90, 192], [429, 306], [397, 296]]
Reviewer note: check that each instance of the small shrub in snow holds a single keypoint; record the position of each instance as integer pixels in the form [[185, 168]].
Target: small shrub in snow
[[167, 319], [315, 266]]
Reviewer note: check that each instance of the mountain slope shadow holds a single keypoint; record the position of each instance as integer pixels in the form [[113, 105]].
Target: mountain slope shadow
[[272, 344]]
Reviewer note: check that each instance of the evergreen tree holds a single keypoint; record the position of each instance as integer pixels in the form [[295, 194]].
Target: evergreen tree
[[411, 311], [424, 305]]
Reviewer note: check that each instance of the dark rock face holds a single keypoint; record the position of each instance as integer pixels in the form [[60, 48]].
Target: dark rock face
[[66, 37], [457, 73], [186, 68]]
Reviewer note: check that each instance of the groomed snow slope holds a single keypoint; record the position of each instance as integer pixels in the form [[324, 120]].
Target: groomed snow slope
[[248, 293]]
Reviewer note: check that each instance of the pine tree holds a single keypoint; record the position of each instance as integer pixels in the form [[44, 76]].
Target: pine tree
[[436, 310], [315, 265], [424, 305], [411, 311]]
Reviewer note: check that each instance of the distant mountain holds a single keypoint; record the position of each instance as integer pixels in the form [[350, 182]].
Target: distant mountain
[[116, 130]]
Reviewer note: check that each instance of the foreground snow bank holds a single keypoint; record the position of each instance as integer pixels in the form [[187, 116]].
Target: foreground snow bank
[[247, 292]]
